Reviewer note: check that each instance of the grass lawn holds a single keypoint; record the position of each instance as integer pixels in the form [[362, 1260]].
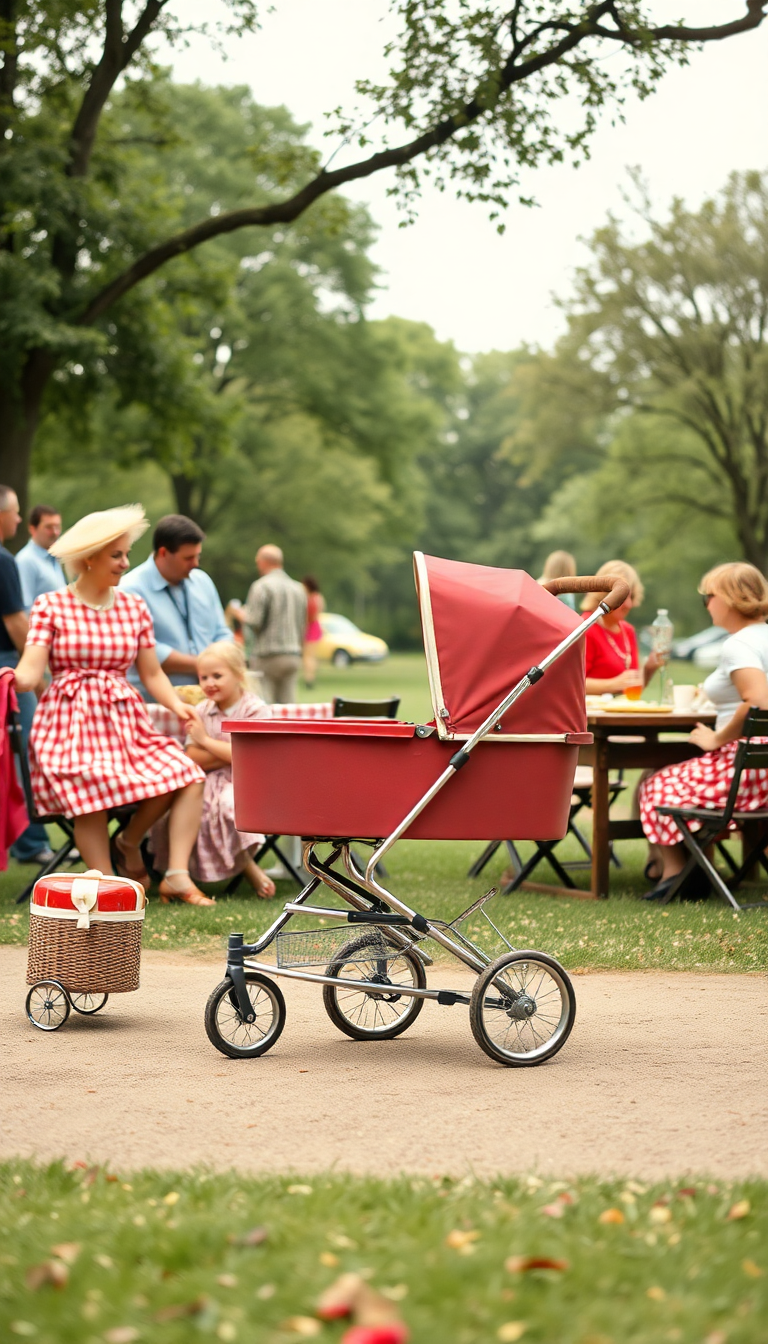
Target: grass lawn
[[160, 1257], [622, 933]]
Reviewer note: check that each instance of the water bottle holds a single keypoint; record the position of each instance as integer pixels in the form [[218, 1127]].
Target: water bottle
[[662, 630]]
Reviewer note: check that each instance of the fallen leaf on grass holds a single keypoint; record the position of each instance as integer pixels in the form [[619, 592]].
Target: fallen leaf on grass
[[227, 1281], [172, 1197], [511, 1330], [754, 1271], [299, 1190], [255, 1237], [105, 1261], [396, 1292], [611, 1216], [553, 1210], [67, 1251], [716, 1337], [739, 1210], [687, 1192], [521, 1264], [339, 1299], [301, 1325], [122, 1334], [460, 1240], [23, 1328], [656, 1294], [659, 1214], [177, 1311], [328, 1259], [53, 1272], [394, 1332]]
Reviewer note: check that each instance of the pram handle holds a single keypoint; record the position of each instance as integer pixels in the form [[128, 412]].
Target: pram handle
[[617, 589]]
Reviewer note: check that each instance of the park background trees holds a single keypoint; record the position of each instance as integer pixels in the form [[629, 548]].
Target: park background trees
[[183, 297]]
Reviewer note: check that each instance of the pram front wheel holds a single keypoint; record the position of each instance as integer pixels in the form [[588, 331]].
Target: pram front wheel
[[522, 1009], [224, 1022], [47, 1005], [367, 1016], [88, 1004]]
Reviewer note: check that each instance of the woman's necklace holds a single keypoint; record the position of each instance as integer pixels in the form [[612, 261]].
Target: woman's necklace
[[94, 606], [625, 652]]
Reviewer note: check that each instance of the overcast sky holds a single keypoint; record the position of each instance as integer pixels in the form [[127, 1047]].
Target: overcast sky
[[451, 269]]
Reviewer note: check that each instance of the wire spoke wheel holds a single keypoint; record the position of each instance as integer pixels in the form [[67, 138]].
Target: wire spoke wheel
[[226, 1027], [522, 1008], [374, 1016], [47, 1005], [88, 1003]]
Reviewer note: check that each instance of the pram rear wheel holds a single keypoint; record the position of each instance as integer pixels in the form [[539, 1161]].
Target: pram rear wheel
[[367, 1016], [88, 1003], [224, 1022], [47, 1005], [522, 1009]]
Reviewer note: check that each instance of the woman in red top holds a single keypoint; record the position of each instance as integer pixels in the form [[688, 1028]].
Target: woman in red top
[[612, 659], [314, 631]]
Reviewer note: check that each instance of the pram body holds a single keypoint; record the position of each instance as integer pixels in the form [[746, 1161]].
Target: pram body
[[335, 781]]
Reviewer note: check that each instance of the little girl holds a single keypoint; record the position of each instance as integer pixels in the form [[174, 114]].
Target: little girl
[[220, 850]]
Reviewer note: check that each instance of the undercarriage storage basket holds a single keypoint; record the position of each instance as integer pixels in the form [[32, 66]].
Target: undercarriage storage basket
[[85, 932], [347, 778]]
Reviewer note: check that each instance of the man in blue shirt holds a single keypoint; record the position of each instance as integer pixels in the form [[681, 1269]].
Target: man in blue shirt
[[39, 571], [32, 845], [182, 598]]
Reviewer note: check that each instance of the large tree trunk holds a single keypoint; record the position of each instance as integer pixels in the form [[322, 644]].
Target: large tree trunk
[[20, 408]]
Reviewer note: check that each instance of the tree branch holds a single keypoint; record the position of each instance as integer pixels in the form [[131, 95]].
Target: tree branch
[[285, 212], [119, 50]]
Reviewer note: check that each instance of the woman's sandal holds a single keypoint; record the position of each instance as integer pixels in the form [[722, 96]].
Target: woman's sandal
[[133, 874], [192, 896]]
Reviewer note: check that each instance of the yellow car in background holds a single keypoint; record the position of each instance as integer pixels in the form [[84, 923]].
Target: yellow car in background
[[343, 643]]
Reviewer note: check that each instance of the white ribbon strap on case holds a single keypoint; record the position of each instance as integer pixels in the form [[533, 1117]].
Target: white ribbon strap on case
[[85, 894]]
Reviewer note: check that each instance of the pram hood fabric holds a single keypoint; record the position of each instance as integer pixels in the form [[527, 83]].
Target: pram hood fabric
[[483, 628]]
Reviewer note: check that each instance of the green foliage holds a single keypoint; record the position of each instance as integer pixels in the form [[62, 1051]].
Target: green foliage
[[162, 1255]]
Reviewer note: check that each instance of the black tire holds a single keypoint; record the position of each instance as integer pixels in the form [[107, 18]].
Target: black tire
[[87, 1003], [544, 1028], [341, 658], [355, 1004], [225, 1027], [47, 1005]]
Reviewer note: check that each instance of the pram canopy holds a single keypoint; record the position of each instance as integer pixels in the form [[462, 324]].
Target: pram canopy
[[483, 628]]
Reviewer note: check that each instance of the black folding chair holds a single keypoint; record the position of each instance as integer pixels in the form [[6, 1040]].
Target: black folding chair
[[67, 852], [580, 798], [714, 824], [365, 709]]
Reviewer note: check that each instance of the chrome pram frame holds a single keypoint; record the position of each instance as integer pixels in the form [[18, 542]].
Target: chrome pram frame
[[513, 979]]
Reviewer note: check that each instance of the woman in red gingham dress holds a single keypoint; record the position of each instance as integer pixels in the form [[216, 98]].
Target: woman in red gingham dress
[[92, 745], [736, 596]]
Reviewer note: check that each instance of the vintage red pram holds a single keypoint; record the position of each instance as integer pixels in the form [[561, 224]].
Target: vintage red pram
[[335, 782]]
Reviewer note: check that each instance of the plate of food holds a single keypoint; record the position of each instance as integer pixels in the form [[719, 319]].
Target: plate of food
[[622, 706]]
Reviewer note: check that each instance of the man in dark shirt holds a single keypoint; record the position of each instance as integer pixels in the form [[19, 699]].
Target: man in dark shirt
[[32, 845]]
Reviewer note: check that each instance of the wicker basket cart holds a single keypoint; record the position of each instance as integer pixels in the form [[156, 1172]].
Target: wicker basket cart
[[84, 944]]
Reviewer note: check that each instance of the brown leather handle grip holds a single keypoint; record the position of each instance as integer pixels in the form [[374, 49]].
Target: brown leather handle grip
[[617, 589]]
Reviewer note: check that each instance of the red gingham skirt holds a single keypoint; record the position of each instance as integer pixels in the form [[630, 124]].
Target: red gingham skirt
[[703, 781]]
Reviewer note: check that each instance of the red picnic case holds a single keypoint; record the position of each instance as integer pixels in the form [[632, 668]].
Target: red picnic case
[[85, 932]]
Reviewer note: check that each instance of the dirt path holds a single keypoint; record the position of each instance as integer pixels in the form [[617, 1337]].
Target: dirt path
[[663, 1074]]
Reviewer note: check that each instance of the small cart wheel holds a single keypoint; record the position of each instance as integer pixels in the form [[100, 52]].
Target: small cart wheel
[[224, 1022], [47, 1005], [88, 1003], [522, 1008], [367, 1016]]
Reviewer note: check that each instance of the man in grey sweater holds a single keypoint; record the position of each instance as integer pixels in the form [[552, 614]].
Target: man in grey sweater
[[276, 611]]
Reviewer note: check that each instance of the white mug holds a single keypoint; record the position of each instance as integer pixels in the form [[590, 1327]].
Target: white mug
[[684, 697]]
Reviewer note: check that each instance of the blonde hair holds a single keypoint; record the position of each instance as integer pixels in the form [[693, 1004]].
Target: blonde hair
[[741, 585], [231, 654], [95, 532], [622, 571], [558, 565]]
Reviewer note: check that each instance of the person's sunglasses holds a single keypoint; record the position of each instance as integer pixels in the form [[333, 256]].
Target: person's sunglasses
[[707, 598]]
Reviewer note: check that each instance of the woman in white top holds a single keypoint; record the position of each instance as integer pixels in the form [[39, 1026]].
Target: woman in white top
[[736, 597]]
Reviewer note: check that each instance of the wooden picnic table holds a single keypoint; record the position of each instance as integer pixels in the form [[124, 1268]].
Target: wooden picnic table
[[629, 741]]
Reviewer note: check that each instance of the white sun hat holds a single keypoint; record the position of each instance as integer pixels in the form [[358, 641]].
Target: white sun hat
[[96, 530]]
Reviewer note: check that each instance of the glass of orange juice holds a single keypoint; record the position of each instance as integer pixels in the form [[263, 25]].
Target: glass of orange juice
[[634, 692]]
